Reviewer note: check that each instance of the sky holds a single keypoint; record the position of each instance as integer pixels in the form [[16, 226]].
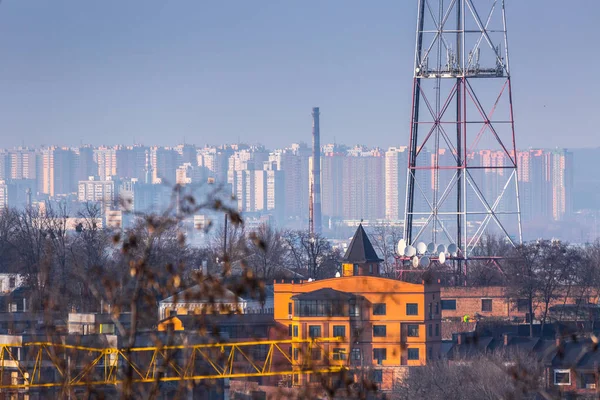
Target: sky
[[199, 71]]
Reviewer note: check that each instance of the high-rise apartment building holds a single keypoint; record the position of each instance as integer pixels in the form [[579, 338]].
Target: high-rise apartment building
[[132, 162], [562, 183], [86, 164], [58, 171], [164, 163], [396, 163], [92, 190], [106, 158], [293, 163]]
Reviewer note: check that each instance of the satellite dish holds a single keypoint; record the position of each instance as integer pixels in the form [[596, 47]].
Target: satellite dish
[[421, 248], [337, 274], [415, 262], [431, 247], [452, 248], [454, 255], [441, 248], [424, 262], [442, 258], [410, 251], [401, 247]]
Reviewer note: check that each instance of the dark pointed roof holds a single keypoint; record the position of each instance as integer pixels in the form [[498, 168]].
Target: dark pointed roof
[[360, 250]]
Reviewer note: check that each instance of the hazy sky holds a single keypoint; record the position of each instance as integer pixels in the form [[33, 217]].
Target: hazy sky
[[115, 71]]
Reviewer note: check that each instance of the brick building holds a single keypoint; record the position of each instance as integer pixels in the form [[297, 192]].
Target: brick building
[[493, 301]]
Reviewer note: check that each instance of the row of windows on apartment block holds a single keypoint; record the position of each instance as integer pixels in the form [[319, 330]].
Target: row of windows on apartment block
[[379, 354], [486, 305], [314, 331], [317, 308]]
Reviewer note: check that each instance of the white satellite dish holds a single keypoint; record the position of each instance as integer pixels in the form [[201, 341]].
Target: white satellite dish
[[401, 247], [421, 248], [415, 262], [410, 251], [424, 262], [431, 247], [337, 274], [442, 258], [452, 248], [441, 248]]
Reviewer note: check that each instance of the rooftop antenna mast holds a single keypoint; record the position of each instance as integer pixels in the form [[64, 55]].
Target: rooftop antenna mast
[[462, 162]]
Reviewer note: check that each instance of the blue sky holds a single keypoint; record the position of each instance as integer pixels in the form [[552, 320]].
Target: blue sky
[[116, 71]]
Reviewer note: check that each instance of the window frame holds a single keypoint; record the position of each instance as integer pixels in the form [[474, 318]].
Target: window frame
[[408, 330], [355, 354], [379, 327], [487, 301], [295, 331], [412, 312], [310, 334], [339, 354], [411, 351], [377, 308], [444, 304], [561, 371], [522, 305], [339, 327], [383, 352]]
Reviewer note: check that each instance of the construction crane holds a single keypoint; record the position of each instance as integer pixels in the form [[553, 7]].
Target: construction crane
[[69, 366]]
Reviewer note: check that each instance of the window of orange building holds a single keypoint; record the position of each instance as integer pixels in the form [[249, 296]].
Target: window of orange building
[[379, 309], [413, 354], [379, 331], [413, 330], [412, 309]]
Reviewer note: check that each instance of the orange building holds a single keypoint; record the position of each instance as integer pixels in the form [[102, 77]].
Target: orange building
[[386, 325]]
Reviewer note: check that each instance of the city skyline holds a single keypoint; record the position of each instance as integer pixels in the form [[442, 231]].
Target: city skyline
[[130, 73]]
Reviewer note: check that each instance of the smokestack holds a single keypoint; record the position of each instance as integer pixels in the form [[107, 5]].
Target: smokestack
[[315, 209]]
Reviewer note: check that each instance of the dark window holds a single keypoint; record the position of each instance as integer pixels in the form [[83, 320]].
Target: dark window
[[339, 354], [413, 330], [379, 354], [486, 305], [315, 354], [437, 307], [339, 330], [588, 380], [412, 309], [12, 282], [355, 270], [370, 269], [356, 354], [448, 304], [379, 331], [290, 308], [354, 310], [321, 308], [413, 354], [296, 354], [522, 305], [377, 376], [289, 330], [314, 331], [429, 353], [295, 330], [437, 330], [379, 309], [430, 330], [562, 377]]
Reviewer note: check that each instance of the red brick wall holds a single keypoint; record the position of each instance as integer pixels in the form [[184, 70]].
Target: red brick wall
[[468, 302]]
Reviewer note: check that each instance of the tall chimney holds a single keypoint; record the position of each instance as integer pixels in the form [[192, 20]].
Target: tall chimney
[[315, 209]]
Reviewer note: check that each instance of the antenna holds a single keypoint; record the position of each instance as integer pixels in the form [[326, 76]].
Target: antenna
[[401, 247], [442, 258], [421, 248]]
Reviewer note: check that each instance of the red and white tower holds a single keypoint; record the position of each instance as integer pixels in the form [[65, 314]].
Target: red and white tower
[[462, 104]]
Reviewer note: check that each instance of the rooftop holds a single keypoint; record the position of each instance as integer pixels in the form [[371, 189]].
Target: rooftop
[[360, 250]]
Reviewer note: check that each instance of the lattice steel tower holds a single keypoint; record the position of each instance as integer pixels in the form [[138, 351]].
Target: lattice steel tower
[[462, 168]]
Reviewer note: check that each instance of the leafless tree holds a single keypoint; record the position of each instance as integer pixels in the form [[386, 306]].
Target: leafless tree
[[268, 252], [311, 254], [384, 238], [477, 378]]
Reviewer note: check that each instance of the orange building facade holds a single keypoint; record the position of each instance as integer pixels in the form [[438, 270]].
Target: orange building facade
[[385, 324]]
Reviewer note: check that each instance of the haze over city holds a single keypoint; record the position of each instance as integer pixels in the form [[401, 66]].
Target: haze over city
[[335, 199], [152, 72]]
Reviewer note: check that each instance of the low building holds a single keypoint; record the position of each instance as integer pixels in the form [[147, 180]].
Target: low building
[[494, 302], [381, 326], [210, 297]]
